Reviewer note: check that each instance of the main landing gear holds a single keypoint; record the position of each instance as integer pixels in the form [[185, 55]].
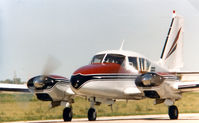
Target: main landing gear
[[92, 115], [67, 114], [173, 112]]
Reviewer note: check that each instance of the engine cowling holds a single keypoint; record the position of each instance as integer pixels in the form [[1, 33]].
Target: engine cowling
[[49, 87], [149, 80], [41, 82]]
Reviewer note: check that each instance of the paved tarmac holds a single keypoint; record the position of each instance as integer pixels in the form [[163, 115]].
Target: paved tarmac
[[183, 118]]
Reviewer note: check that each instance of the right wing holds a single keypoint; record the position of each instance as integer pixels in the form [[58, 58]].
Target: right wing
[[14, 88]]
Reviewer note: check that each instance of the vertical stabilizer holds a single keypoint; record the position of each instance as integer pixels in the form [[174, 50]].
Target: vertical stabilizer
[[171, 56]]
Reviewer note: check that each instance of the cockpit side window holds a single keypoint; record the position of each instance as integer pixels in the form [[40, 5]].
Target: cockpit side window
[[114, 58], [133, 62], [148, 65], [142, 65], [97, 58]]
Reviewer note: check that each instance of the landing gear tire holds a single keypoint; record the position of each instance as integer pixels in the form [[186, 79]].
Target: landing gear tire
[[92, 115], [67, 114], [173, 112]]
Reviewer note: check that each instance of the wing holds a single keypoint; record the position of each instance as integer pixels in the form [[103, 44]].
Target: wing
[[189, 81], [14, 88]]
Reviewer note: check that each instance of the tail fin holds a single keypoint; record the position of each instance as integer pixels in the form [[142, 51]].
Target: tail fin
[[171, 56]]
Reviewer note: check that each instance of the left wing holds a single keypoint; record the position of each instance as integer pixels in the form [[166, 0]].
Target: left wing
[[189, 81]]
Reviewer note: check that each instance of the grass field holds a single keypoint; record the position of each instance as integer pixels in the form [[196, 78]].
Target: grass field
[[16, 107]]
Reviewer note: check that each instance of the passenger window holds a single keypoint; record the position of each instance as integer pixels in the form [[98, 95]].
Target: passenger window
[[145, 65], [133, 62], [148, 65], [141, 60]]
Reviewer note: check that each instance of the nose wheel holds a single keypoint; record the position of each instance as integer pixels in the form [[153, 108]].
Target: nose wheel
[[67, 114], [173, 112], [92, 114]]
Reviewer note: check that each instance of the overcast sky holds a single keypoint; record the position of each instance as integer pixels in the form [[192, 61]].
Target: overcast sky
[[72, 31]]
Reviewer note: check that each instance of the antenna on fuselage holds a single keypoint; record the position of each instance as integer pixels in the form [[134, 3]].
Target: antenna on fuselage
[[121, 47]]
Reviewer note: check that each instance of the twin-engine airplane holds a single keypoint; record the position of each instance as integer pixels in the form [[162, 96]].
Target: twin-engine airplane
[[123, 75]]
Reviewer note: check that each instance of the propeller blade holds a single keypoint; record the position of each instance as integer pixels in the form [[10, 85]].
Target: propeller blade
[[51, 65]]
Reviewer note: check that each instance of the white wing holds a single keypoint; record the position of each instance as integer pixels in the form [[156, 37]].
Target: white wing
[[14, 88]]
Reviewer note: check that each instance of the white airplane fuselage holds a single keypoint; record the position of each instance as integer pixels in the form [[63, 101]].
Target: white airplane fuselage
[[112, 75]]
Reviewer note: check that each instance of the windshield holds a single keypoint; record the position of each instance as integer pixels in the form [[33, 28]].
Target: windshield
[[97, 58], [114, 58]]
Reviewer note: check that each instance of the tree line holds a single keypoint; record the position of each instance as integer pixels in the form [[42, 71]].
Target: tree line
[[12, 81]]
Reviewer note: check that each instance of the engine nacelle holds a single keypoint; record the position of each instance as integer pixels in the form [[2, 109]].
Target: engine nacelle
[[45, 82], [50, 87], [149, 80]]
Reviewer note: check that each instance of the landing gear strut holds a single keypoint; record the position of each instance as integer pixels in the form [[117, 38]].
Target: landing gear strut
[[92, 114], [67, 114], [173, 112]]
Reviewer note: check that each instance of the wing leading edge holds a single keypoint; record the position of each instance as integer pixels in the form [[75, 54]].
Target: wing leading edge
[[14, 88]]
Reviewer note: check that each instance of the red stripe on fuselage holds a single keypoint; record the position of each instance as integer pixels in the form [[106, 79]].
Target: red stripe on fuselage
[[101, 68]]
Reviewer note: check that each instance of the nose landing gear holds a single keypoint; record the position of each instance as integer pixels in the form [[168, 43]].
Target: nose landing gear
[[92, 114]]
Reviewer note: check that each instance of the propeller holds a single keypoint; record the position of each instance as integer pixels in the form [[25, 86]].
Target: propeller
[[40, 82], [51, 65]]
